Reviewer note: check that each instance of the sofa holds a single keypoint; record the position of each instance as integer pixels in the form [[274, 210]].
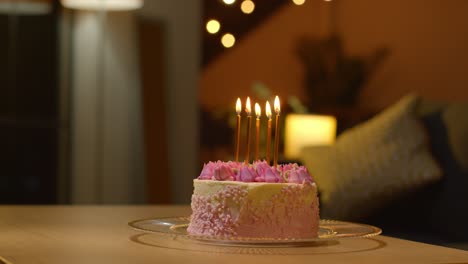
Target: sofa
[[404, 170]]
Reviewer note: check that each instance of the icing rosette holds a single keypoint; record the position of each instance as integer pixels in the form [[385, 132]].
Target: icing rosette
[[259, 171], [298, 174], [247, 174], [223, 173]]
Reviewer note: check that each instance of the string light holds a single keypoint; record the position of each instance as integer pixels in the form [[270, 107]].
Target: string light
[[247, 7], [213, 26], [228, 40], [298, 2]]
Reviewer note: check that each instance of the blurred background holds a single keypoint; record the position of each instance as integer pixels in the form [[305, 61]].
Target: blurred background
[[122, 101]]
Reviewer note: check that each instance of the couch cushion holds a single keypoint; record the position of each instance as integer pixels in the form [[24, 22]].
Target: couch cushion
[[373, 163], [455, 117], [449, 211]]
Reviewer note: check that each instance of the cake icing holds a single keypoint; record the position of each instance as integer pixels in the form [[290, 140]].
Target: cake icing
[[256, 200]]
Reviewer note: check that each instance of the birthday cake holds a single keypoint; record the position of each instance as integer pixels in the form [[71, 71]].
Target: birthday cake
[[237, 200]]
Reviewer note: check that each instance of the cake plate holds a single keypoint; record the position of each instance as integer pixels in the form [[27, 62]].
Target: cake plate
[[328, 230]]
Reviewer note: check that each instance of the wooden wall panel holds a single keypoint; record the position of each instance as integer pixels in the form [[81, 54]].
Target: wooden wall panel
[[152, 63]]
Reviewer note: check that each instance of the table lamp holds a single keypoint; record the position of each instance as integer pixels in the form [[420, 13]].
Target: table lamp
[[107, 5], [26, 7], [307, 130]]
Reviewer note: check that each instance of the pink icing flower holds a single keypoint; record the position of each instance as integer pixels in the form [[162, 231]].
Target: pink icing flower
[[260, 179], [246, 174], [272, 175], [299, 175], [235, 166], [207, 171], [285, 168], [260, 171], [261, 167], [223, 173]]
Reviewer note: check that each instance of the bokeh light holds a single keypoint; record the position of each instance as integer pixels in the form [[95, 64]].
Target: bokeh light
[[298, 2], [213, 26], [247, 7], [228, 40]]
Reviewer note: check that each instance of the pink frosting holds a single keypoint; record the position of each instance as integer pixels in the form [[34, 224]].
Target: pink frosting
[[259, 171], [247, 174], [223, 173], [214, 219], [287, 215], [298, 174]]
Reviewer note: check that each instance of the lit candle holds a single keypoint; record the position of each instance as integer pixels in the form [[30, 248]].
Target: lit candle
[[277, 135], [238, 111], [249, 125], [258, 113], [268, 141]]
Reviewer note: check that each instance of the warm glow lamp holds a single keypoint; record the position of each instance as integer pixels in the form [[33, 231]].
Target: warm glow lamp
[[108, 5], [298, 2], [26, 7], [99, 9], [307, 130], [229, 2]]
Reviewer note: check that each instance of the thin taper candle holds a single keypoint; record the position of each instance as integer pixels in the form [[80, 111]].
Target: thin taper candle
[[249, 127], [277, 135], [258, 113], [268, 140], [238, 111]]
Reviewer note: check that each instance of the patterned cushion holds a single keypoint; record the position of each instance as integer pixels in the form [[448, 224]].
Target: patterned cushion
[[372, 163]]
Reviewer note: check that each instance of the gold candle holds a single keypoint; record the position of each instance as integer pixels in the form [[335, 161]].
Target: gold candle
[[258, 113], [238, 111], [249, 125], [268, 141], [277, 135]]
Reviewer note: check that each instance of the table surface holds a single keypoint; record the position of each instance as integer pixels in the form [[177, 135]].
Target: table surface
[[100, 234]]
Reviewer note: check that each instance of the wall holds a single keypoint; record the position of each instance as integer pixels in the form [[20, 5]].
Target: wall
[[428, 41], [265, 54], [106, 133], [182, 20]]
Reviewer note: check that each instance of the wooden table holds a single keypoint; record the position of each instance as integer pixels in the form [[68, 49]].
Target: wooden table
[[99, 234]]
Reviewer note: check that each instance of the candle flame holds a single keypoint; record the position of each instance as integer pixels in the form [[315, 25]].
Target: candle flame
[[258, 110], [268, 110], [248, 110], [238, 106], [277, 105]]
